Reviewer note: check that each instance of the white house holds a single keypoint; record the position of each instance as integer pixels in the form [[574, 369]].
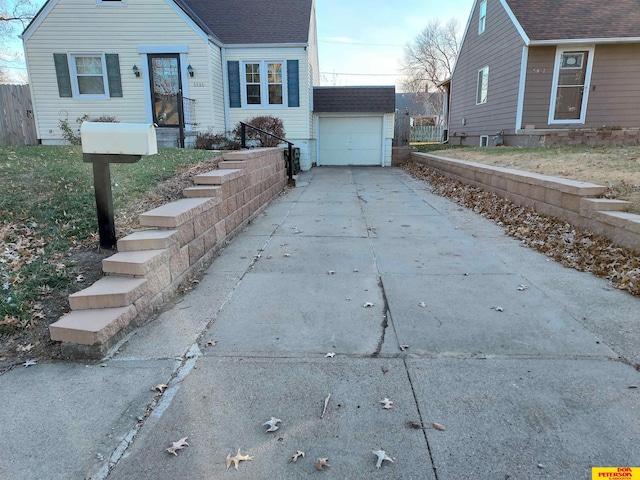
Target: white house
[[230, 59]]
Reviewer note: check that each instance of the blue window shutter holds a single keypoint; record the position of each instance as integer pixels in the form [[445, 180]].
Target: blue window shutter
[[113, 74], [293, 83], [62, 74], [233, 72]]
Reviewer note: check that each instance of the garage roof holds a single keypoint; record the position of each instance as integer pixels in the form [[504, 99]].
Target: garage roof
[[354, 99]]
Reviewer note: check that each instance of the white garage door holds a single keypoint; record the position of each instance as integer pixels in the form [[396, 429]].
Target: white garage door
[[350, 140]]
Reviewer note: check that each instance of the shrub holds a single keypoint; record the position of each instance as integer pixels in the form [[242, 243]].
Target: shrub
[[210, 141], [73, 136], [267, 123]]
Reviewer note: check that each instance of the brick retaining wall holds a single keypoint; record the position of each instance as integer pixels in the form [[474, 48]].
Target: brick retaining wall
[[574, 202]]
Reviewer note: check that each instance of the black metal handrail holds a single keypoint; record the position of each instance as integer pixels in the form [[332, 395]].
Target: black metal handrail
[[243, 144]]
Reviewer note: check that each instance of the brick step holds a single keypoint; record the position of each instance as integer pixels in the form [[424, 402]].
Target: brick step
[[218, 177], [148, 240], [605, 204], [174, 214], [232, 164], [133, 263], [201, 191], [109, 292], [91, 327]]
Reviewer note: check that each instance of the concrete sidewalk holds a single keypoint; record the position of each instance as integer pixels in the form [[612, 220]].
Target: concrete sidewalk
[[537, 388]]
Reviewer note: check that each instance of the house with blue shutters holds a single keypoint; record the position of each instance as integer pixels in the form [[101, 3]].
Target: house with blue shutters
[[227, 60]]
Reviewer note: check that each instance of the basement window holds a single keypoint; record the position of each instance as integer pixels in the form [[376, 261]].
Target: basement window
[[484, 140]]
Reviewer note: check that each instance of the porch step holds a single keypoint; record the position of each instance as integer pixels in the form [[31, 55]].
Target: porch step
[[132, 263], [174, 214], [218, 177], [148, 240], [109, 292], [91, 327], [200, 191]]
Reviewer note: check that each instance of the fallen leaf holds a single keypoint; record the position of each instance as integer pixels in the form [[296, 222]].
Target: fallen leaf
[[382, 456], [24, 348], [296, 456], [236, 459], [179, 445], [497, 309], [7, 320], [386, 403], [330, 355], [29, 363], [422, 304], [438, 426], [322, 462], [160, 388], [272, 424], [287, 255], [403, 347], [80, 278], [368, 305], [331, 272], [211, 343], [356, 270], [326, 403], [522, 288]]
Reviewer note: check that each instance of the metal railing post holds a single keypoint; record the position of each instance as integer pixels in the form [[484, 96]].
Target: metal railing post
[[290, 170], [181, 118], [243, 135]]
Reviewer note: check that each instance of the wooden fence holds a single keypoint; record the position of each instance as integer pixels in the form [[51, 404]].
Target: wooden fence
[[402, 129], [426, 133], [17, 125]]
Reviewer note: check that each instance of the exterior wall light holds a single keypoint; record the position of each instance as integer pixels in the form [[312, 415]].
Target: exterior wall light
[[136, 71], [190, 70]]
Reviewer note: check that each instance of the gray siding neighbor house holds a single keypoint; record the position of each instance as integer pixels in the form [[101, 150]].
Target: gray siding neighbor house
[[531, 71]]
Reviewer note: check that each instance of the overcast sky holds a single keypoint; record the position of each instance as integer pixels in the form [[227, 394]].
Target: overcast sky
[[361, 42]]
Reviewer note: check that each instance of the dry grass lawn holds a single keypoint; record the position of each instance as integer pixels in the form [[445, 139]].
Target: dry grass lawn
[[615, 167]]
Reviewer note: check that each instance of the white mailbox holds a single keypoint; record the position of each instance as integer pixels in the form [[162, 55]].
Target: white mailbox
[[118, 138]]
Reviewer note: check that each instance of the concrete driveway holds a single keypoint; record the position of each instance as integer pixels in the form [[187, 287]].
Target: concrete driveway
[[500, 363]]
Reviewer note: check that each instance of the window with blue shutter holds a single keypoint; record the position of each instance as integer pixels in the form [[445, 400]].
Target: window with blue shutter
[[113, 74], [293, 83], [233, 73], [62, 74]]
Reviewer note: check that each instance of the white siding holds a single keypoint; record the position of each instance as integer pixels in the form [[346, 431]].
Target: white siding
[[217, 93], [83, 26], [296, 120]]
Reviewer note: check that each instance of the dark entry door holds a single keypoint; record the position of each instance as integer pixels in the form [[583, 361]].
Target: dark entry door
[[165, 89]]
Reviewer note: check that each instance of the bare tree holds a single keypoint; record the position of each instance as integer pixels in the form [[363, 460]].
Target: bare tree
[[430, 59], [15, 15]]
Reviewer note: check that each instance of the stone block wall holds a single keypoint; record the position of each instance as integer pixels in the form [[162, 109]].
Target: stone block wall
[[577, 203]]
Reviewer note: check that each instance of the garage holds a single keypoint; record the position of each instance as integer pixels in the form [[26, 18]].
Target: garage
[[354, 125]]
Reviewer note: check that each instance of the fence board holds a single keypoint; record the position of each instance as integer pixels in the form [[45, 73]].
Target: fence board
[[402, 129], [17, 125], [426, 133]]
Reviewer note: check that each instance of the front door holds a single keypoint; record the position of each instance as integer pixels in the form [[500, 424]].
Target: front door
[[165, 89]]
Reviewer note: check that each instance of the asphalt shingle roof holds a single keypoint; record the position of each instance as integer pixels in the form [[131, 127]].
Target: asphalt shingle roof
[[354, 99], [576, 19], [252, 21]]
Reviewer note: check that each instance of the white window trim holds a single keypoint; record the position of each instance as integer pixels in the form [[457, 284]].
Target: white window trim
[[477, 86], [75, 89], [486, 139], [587, 84], [264, 85], [482, 19]]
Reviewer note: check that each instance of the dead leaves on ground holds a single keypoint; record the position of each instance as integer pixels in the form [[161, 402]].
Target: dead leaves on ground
[[569, 245], [160, 388], [179, 445], [236, 459], [272, 424], [321, 463], [382, 456], [386, 403], [296, 456]]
